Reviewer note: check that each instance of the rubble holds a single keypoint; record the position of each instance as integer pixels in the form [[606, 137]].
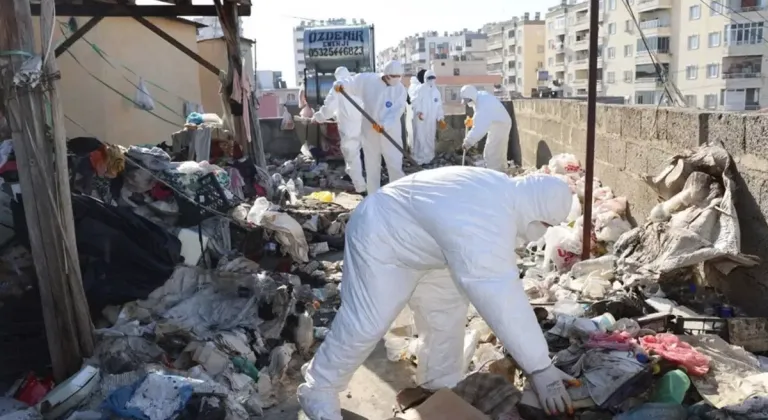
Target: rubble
[[217, 275]]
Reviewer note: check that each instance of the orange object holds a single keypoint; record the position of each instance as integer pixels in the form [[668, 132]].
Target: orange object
[[338, 88], [443, 125], [575, 383], [377, 128], [468, 122]]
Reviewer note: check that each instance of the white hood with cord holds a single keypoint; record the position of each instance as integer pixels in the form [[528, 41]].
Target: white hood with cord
[[427, 101], [400, 239]]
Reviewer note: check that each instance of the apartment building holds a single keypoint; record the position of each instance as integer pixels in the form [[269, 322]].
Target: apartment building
[[712, 51], [458, 53], [298, 40], [516, 52], [567, 47]]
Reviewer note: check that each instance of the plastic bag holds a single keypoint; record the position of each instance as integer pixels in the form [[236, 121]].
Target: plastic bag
[[287, 123], [575, 209], [143, 99], [324, 196], [609, 226], [564, 164], [563, 248]]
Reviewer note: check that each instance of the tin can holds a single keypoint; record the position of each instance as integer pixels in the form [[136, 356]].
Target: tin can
[[725, 311]]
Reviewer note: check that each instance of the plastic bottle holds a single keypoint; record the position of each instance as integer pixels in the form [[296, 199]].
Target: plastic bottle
[[245, 366], [672, 387]]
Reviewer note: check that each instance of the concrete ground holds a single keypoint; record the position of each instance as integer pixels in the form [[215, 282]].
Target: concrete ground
[[371, 394]]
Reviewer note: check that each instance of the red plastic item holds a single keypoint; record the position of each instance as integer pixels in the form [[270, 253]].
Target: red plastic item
[[672, 349], [34, 389]]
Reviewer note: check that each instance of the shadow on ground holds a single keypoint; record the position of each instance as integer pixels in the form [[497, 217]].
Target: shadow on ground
[[370, 396]]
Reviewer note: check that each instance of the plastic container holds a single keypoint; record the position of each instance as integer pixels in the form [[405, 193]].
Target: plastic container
[[672, 387], [397, 347], [655, 411], [605, 321]]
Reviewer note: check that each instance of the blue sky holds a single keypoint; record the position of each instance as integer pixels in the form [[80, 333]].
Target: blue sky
[[271, 22]]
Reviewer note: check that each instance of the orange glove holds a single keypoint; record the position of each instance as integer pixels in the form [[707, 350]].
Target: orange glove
[[421, 116], [468, 122], [443, 125], [377, 128], [338, 87]]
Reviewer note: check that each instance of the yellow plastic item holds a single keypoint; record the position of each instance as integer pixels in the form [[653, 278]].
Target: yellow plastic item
[[468, 122], [324, 196], [443, 125]]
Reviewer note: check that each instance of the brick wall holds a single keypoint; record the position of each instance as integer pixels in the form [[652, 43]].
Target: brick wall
[[634, 141]]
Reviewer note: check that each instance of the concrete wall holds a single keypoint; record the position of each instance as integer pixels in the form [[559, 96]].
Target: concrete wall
[[633, 141], [96, 110]]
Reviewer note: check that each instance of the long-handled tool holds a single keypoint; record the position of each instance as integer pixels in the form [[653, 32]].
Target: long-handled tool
[[368, 117], [463, 155]]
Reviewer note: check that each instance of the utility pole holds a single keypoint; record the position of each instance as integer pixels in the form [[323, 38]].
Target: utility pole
[[43, 175]]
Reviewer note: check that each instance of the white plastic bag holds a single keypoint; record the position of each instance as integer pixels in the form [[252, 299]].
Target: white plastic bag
[[287, 123], [563, 248], [564, 164], [288, 232], [575, 209], [143, 99]]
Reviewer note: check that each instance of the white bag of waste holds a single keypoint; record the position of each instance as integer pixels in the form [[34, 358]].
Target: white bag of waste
[[564, 163], [288, 232], [563, 248], [575, 209]]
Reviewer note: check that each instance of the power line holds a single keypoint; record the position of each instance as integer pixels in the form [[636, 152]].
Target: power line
[[709, 5]]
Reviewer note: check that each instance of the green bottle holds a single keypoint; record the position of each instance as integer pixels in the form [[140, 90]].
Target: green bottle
[[672, 387], [243, 365]]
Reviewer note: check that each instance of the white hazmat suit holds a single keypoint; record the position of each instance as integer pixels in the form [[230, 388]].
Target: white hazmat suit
[[350, 125], [437, 240], [427, 106], [492, 118], [384, 98]]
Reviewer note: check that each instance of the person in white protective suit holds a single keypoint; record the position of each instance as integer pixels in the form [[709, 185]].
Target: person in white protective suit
[[492, 118], [413, 85], [350, 125], [427, 106], [384, 98], [437, 240]]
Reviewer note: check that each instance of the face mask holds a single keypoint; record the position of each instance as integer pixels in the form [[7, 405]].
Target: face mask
[[393, 81], [534, 231], [431, 83]]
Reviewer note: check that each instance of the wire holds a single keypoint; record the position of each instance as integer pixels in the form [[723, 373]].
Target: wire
[[102, 56], [709, 5]]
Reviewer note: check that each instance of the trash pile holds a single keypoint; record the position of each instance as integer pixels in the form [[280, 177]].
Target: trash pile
[[636, 325]]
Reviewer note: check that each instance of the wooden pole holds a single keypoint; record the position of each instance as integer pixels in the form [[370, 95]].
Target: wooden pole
[[49, 224]]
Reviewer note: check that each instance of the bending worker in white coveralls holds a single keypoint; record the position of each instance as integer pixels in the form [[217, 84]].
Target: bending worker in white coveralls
[[427, 106], [492, 118], [384, 98], [437, 240], [350, 125]]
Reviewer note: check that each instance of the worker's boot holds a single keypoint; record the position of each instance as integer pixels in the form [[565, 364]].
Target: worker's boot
[[319, 404]]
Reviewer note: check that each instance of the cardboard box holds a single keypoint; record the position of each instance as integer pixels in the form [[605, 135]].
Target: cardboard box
[[444, 404]]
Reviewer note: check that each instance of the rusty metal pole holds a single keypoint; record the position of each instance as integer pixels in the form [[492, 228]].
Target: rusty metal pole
[[594, 21]]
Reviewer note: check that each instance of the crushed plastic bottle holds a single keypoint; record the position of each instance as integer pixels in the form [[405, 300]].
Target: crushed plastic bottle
[[672, 387]]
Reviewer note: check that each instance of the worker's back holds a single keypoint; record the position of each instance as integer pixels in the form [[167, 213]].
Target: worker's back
[[486, 102]]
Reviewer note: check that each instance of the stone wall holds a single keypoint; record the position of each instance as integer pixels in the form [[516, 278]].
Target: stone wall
[[634, 141]]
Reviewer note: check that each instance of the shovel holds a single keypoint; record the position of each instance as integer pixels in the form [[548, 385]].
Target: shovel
[[384, 133]]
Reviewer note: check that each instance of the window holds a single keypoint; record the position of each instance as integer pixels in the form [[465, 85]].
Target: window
[[468, 43], [628, 26], [611, 4], [710, 101], [628, 76], [694, 12], [570, 77], [612, 28], [511, 33], [519, 33], [691, 72], [716, 8], [714, 39], [551, 26], [539, 65], [540, 49], [291, 98], [655, 44], [519, 81], [744, 33], [690, 100], [610, 77], [456, 72], [628, 50], [693, 42], [519, 64], [519, 50], [611, 52], [551, 61], [713, 71]]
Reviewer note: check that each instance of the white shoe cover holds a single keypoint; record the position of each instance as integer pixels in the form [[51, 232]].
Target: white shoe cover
[[319, 405], [304, 369]]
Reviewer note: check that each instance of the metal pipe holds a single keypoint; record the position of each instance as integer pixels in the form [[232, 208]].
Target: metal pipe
[[383, 132], [594, 22]]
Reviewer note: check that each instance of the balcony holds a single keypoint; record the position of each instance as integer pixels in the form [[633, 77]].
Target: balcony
[[495, 44], [579, 82], [582, 22], [582, 44], [494, 58], [647, 83], [742, 80], [747, 47], [644, 57], [558, 66], [651, 5], [655, 27]]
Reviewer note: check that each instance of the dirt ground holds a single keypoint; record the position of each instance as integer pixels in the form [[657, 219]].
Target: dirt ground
[[371, 394]]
